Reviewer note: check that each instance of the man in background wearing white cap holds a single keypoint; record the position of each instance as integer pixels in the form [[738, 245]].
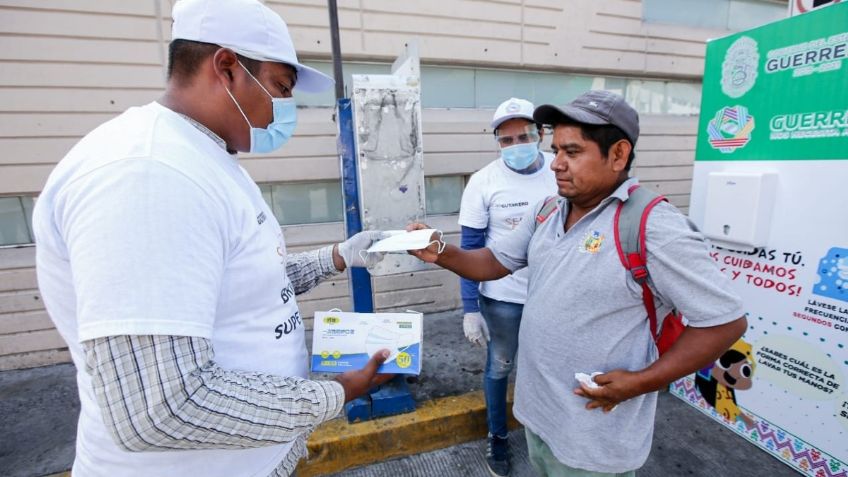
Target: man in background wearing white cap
[[167, 274], [493, 203]]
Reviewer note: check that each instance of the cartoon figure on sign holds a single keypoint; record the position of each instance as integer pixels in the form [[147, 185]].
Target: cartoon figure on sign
[[718, 383]]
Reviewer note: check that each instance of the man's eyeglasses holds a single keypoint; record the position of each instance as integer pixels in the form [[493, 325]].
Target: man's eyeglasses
[[523, 138]]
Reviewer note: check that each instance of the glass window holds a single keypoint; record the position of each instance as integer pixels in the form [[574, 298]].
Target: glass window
[[683, 99], [696, 13], [615, 85], [486, 88], [717, 14], [15, 220], [493, 87], [443, 194], [557, 88], [747, 14], [442, 87], [305, 202], [647, 96]]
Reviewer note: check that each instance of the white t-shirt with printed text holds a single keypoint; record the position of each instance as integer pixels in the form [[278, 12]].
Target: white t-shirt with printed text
[[496, 198], [148, 227]]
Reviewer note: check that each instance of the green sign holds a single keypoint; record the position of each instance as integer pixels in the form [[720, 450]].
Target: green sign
[[778, 92]]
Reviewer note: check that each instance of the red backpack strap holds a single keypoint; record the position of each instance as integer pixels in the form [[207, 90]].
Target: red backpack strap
[[549, 206], [631, 218]]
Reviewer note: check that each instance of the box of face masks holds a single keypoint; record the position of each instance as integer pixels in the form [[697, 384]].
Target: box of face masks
[[345, 341]]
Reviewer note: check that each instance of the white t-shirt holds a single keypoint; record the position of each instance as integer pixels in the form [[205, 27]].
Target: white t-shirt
[[148, 227], [496, 198]]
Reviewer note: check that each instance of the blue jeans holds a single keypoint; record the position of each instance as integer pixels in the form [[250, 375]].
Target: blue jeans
[[503, 319]]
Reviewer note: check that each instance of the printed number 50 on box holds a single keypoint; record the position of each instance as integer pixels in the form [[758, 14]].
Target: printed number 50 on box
[[345, 341]]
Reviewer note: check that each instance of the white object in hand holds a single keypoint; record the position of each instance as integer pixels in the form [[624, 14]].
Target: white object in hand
[[401, 242], [587, 379]]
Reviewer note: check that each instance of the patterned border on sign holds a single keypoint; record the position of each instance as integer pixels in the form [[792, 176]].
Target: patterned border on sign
[[787, 447]]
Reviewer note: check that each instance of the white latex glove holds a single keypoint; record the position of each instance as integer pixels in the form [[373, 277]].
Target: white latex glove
[[353, 250], [475, 328]]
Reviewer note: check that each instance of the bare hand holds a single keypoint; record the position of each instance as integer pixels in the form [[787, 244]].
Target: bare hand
[[357, 383], [614, 387], [429, 254]]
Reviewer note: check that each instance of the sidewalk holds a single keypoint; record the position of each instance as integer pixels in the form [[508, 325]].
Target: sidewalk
[[686, 443], [39, 407]]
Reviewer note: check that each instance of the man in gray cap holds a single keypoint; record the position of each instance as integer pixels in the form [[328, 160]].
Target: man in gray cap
[[167, 273], [584, 312]]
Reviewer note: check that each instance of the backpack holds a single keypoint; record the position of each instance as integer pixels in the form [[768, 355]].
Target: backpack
[[631, 217]]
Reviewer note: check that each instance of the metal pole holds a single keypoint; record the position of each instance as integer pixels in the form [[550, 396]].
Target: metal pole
[[337, 50], [360, 279]]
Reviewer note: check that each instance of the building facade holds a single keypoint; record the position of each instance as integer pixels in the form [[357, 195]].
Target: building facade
[[69, 65]]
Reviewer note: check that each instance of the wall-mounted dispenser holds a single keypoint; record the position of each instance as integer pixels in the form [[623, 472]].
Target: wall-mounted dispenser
[[739, 208]]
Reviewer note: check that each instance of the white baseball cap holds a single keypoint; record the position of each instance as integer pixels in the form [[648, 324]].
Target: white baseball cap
[[511, 109], [250, 29]]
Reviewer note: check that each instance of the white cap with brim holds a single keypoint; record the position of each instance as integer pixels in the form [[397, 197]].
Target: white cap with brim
[[250, 29], [511, 109]]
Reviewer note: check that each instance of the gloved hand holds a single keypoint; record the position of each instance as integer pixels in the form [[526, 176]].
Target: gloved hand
[[475, 328], [353, 250]]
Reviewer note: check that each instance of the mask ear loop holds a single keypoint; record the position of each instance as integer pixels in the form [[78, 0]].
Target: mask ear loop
[[363, 254], [254, 79], [237, 103], [238, 106], [440, 242]]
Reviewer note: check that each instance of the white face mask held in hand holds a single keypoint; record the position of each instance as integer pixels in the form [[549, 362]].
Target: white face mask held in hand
[[401, 241]]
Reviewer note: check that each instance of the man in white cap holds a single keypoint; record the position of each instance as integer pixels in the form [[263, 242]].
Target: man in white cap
[[167, 274], [493, 203]]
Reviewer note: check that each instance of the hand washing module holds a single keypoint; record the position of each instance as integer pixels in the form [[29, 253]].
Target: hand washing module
[[344, 341]]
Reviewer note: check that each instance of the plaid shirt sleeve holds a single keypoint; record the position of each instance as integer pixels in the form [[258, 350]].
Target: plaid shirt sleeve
[[307, 269], [159, 393]]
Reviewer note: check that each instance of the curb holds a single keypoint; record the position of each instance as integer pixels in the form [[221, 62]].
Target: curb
[[436, 424]]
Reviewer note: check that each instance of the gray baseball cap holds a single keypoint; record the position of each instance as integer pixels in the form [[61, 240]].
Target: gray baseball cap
[[594, 107]]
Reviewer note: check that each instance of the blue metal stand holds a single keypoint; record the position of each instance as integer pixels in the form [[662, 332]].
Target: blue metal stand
[[360, 279], [387, 400], [392, 397]]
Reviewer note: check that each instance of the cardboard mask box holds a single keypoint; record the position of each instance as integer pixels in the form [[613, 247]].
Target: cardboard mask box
[[343, 341]]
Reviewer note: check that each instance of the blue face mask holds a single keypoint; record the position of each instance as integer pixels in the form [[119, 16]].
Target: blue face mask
[[282, 126], [520, 156]]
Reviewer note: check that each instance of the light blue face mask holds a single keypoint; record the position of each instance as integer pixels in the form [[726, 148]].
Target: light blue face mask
[[520, 156], [282, 125]]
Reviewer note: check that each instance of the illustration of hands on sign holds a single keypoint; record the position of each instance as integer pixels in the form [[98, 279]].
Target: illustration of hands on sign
[[833, 275], [732, 371]]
